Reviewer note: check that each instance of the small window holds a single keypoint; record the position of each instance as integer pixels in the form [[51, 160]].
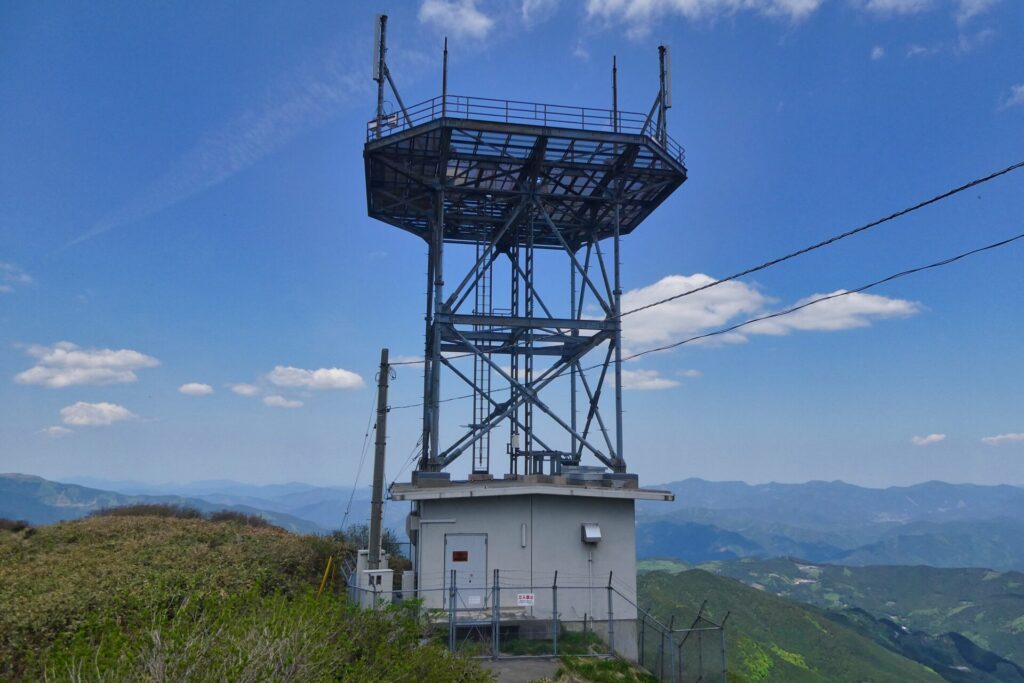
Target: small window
[[460, 556]]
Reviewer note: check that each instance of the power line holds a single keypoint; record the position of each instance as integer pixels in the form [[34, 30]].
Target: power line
[[362, 458], [410, 460], [837, 295], [832, 240]]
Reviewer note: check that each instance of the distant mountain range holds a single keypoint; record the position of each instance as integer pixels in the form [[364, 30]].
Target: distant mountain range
[[937, 524], [295, 506], [40, 501]]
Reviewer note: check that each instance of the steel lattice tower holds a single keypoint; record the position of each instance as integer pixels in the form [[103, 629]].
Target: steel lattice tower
[[515, 180]]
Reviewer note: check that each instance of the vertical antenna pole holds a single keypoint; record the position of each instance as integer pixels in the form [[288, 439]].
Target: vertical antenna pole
[[435, 351], [572, 371], [380, 47], [662, 50], [615, 94], [377, 499], [617, 308], [665, 92], [444, 80]]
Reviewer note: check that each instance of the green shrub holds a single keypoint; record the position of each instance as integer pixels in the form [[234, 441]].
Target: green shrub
[[150, 510], [12, 525], [239, 517], [600, 670], [78, 577]]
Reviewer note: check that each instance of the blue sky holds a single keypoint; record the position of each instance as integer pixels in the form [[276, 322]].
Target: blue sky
[[190, 287]]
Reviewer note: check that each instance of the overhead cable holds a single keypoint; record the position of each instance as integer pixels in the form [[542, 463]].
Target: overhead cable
[[836, 295], [831, 240]]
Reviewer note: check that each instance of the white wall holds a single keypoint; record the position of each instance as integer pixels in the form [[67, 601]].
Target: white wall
[[552, 543]]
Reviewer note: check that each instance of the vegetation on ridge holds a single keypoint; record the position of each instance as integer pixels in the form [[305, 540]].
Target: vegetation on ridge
[[119, 598]]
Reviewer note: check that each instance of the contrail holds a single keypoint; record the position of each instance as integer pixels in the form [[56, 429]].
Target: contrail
[[302, 100]]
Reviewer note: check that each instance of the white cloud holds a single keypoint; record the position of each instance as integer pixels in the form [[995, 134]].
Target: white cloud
[[895, 7], [727, 303], [846, 312], [968, 9], [646, 380], [84, 414], [276, 401], [1015, 98], [641, 15], [196, 389], [965, 43], [690, 374], [1002, 438], [65, 364], [927, 440], [535, 11], [56, 431], [580, 52], [968, 42], [323, 378], [461, 18], [303, 99], [12, 277], [243, 389], [689, 315], [877, 52], [921, 51]]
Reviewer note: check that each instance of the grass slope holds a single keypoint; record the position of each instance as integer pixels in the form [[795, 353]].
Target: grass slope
[[121, 598], [773, 639], [985, 606]]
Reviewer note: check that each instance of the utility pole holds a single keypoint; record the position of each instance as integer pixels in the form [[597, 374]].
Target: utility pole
[[377, 497]]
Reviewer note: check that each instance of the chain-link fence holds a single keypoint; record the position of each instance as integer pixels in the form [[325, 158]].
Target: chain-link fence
[[512, 616], [693, 653]]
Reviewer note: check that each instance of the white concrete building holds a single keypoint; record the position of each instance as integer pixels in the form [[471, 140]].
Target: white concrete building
[[528, 528]]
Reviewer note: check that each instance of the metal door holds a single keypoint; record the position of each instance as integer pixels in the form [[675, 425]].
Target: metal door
[[466, 556]]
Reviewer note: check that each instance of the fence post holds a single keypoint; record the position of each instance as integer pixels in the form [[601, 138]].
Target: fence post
[[721, 633], [671, 649], [700, 650], [451, 613], [611, 617], [643, 632], [661, 656], [495, 614], [554, 612]]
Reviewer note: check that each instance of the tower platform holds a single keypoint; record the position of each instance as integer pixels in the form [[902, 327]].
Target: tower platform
[[497, 154]]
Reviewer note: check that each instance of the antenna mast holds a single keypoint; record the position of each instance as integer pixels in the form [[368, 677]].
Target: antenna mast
[[444, 80], [381, 72], [379, 49]]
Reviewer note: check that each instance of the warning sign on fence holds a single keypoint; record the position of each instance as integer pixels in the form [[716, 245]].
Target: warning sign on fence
[[524, 599]]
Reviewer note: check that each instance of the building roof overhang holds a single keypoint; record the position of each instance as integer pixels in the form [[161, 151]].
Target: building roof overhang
[[505, 487]]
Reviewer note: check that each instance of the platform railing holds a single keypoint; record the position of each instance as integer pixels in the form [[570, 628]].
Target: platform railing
[[515, 111]]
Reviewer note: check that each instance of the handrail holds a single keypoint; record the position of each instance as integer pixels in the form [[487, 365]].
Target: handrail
[[517, 111]]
